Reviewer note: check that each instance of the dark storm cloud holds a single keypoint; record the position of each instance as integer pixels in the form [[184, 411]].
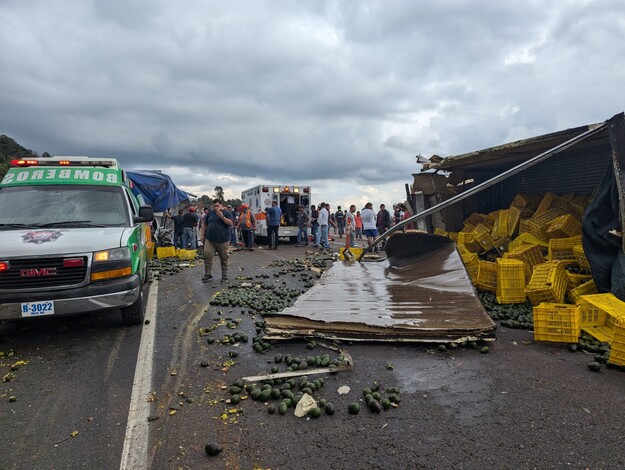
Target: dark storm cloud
[[303, 91]]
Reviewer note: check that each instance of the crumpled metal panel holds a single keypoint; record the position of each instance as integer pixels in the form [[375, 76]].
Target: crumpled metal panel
[[421, 292]]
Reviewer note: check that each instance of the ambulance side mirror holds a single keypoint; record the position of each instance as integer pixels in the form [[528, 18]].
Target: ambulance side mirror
[[146, 214]]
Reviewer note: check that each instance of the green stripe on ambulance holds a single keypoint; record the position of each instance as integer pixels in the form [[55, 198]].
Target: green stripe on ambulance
[[29, 176]]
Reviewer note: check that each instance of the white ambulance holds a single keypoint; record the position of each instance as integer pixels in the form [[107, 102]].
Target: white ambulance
[[289, 198]]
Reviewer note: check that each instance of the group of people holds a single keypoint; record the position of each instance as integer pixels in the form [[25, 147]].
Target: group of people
[[218, 225]]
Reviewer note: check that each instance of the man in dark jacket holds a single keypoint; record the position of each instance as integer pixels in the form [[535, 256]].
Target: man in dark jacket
[[383, 221], [216, 236]]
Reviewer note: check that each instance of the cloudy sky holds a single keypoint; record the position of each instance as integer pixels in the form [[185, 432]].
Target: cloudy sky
[[339, 95]]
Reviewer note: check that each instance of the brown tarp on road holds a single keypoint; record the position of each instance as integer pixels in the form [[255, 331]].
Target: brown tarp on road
[[421, 292]]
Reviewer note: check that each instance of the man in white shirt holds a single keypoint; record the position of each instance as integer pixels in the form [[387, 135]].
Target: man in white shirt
[[350, 225], [323, 219], [368, 217]]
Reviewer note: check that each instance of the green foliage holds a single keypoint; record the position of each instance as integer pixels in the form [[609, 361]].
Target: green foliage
[[9, 149]]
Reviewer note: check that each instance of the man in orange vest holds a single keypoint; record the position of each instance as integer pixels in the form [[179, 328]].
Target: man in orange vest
[[247, 225]]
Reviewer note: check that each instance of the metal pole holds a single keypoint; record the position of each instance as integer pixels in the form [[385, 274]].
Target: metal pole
[[487, 184]]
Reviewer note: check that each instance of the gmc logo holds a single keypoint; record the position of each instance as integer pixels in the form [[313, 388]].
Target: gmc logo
[[34, 272]]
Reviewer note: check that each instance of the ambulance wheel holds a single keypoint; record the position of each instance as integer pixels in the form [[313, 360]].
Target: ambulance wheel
[[293, 239], [134, 313]]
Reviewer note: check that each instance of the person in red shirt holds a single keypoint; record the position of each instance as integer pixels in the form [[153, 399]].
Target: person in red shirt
[[358, 226]]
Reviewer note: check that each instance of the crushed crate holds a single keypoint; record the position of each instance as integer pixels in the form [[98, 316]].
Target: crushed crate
[[487, 276], [586, 288], [531, 255], [600, 313], [580, 257], [548, 283], [510, 287], [564, 226], [562, 248], [165, 252], [556, 322], [441, 232], [617, 348]]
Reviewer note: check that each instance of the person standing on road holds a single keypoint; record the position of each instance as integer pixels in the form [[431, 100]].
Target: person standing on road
[[247, 225], [350, 225], [368, 223], [339, 217], [274, 214], [189, 236], [331, 221], [302, 226], [358, 221], [383, 221], [324, 218], [178, 221], [216, 237], [314, 225]]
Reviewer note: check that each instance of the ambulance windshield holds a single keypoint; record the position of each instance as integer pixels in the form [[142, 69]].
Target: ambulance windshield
[[63, 206]]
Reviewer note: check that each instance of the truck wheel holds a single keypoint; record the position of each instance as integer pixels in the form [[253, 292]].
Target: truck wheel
[[293, 239], [134, 313]]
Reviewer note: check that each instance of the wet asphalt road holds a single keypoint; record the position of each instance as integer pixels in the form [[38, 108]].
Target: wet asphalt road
[[524, 405]]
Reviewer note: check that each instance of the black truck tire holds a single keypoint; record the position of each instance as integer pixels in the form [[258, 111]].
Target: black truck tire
[[134, 313]]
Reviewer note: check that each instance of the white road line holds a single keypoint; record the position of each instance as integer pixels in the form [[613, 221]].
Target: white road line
[[135, 453]]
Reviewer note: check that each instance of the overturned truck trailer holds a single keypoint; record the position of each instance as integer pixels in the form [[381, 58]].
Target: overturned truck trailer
[[576, 164]]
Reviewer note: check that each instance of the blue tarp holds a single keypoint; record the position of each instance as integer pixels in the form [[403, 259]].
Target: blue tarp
[[157, 189]]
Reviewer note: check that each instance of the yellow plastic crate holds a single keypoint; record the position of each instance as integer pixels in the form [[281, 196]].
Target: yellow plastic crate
[[564, 226], [475, 219], [526, 200], [548, 283], [472, 264], [617, 348], [453, 236], [580, 257], [562, 248], [186, 254], [556, 322], [531, 255], [165, 252], [586, 288], [487, 276], [578, 205], [601, 310], [354, 251], [441, 232], [469, 241], [527, 239], [577, 279], [510, 287], [500, 227], [514, 217], [484, 237]]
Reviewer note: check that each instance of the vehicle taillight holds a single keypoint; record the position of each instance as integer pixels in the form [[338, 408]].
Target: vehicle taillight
[[4, 266], [265, 189], [306, 190], [73, 263]]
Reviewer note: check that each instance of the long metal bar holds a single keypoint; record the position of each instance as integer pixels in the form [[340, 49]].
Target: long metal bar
[[487, 184]]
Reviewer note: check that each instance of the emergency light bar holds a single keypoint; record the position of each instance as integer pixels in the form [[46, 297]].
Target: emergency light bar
[[107, 163]]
